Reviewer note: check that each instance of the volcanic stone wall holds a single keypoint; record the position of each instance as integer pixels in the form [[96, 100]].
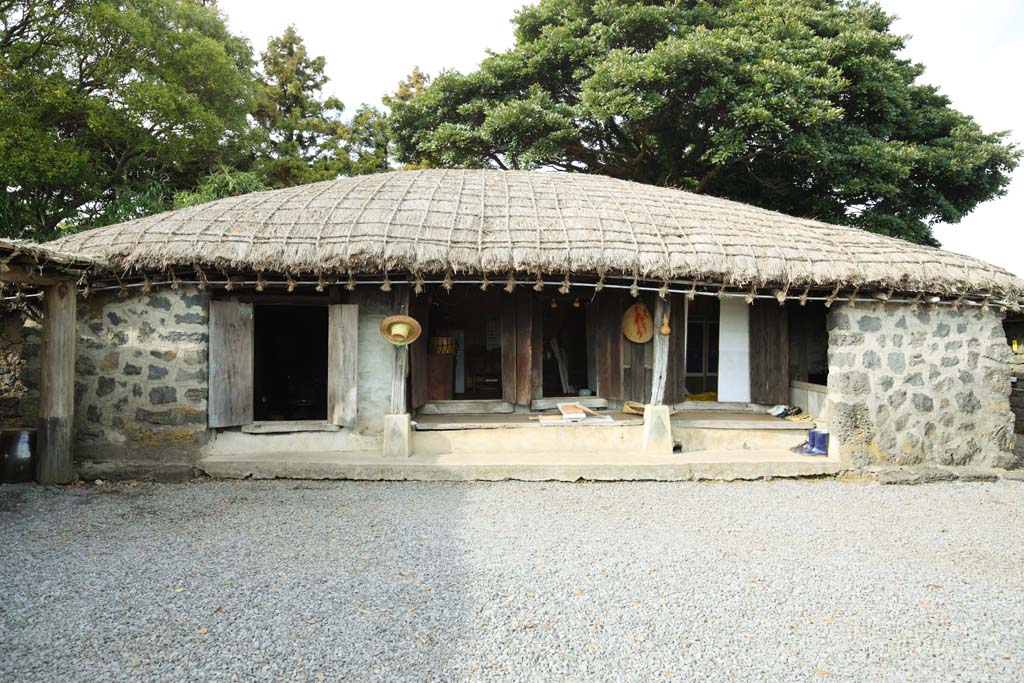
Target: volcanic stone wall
[[141, 377], [1015, 330], [18, 342], [925, 386]]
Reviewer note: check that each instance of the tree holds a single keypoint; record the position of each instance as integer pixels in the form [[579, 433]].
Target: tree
[[225, 182], [110, 105], [803, 106], [304, 134]]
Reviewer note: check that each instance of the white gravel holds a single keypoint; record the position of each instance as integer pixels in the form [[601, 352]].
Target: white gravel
[[285, 580]]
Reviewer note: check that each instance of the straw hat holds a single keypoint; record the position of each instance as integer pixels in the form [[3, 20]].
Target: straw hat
[[637, 324], [400, 329]]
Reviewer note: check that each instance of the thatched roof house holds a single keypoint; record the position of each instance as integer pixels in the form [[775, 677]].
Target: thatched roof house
[[265, 324], [476, 221]]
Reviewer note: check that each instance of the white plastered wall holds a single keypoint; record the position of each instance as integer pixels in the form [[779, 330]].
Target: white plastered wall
[[734, 351]]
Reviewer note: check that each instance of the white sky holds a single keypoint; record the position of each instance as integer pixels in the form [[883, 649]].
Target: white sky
[[973, 51]]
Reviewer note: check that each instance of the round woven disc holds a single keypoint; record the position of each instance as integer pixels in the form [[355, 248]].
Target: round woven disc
[[637, 324]]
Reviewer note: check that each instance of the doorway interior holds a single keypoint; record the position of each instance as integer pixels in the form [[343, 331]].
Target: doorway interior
[[290, 362], [464, 351]]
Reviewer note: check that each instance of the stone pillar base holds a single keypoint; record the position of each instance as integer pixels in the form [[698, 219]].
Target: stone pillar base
[[397, 436], [657, 439]]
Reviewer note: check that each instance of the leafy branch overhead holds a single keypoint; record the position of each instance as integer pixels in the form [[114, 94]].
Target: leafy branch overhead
[[804, 107]]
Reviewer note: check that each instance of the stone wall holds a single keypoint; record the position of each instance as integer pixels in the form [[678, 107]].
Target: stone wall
[[1015, 330], [18, 343], [141, 377], [910, 387]]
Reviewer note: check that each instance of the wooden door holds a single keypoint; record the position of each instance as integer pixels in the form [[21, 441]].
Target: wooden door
[[231, 364], [769, 353], [609, 344], [342, 364]]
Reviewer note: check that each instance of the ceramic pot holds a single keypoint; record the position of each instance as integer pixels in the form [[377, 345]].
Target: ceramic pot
[[17, 453]]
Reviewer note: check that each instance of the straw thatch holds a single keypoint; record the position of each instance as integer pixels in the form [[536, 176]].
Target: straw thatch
[[495, 221], [44, 255]]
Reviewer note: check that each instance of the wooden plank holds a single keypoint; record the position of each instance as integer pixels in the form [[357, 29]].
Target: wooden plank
[[537, 349], [419, 307], [524, 346], [662, 308], [54, 463], [551, 403], [508, 348], [675, 378], [467, 407], [288, 427], [590, 319], [609, 345], [769, 353], [342, 364], [231, 364], [400, 372]]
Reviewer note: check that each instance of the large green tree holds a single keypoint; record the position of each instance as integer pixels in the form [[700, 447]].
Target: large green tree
[[803, 106], [110, 105], [304, 132]]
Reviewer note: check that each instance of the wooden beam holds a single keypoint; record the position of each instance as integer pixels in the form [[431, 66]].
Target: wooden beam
[[419, 307], [609, 345], [525, 343], [54, 464], [342, 364], [399, 403], [661, 349], [508, 348], [25, 274]]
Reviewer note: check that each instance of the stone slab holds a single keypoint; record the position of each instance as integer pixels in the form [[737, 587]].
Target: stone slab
[[129, 471], [914, 475], [538, 466], [289, 426]]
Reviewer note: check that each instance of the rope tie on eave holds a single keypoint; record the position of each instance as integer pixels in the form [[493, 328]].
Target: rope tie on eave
[[564, 288], [830, 299], [510, 282], [417, 286]]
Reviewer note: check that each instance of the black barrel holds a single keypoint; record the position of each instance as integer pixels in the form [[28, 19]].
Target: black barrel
[[17, 453]]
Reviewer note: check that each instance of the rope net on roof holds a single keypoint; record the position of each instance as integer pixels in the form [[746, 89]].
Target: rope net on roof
[[477, 221]]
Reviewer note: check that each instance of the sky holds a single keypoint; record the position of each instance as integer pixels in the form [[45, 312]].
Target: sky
[[973, 56]]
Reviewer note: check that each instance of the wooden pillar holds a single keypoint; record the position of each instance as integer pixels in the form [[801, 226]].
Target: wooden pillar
[[661, 348], [399, 403], [54, 463]]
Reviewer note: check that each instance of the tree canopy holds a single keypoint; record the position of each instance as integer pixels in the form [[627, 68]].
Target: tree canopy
[[108, 101], [803, 106]]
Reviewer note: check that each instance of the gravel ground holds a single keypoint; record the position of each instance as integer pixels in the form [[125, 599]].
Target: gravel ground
[[288, 580]]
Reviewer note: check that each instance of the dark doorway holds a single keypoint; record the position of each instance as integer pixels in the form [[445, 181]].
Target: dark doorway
[[464, 344], [702, 346], [564, 331], [808, 342], [290, 359]]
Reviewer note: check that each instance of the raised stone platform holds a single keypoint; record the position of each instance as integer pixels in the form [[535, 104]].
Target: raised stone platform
[[535, 466]]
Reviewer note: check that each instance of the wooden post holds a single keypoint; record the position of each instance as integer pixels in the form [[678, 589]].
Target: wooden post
[[661, 345], [399, 404], [342, 364], [54, 463]]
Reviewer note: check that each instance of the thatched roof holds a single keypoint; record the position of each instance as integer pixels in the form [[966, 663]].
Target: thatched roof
[[43, 255], [494, 221]]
